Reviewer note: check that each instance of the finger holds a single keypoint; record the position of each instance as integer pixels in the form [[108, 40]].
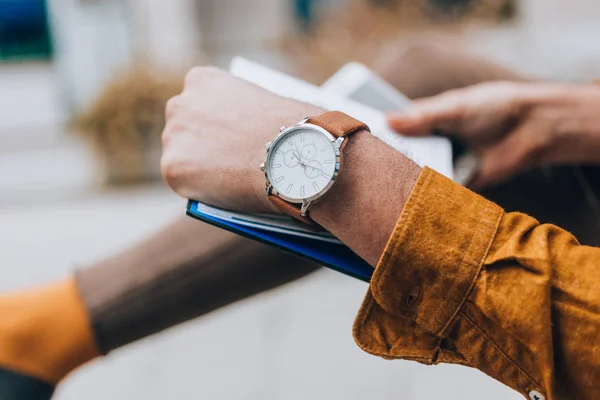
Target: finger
[[517, 152], [409, 123], [443, 112]]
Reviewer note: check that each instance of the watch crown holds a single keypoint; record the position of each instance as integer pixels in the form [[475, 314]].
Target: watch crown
[[268, 145], [283, 128], [262, 167]]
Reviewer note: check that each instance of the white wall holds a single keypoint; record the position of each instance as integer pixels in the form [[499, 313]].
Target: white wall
[[167, 32], [553, 39], [92, 43], [241, 27], [562, 14], [31, 113]]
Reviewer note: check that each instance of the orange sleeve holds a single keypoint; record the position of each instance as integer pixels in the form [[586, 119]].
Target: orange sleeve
[[461, 281]]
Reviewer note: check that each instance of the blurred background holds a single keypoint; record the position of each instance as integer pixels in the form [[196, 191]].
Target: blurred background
[[83, 85]]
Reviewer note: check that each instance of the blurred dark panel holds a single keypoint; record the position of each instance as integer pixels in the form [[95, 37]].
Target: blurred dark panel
[[565, 196], [500, 10], [451, 5], [24, 30]]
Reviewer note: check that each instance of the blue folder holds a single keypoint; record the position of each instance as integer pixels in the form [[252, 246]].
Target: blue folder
[[332, 255]]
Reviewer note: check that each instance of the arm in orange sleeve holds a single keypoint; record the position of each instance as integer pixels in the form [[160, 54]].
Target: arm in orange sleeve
[[461, 281]]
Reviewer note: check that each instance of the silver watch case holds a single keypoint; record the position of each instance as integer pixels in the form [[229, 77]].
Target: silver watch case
[[305, 204]]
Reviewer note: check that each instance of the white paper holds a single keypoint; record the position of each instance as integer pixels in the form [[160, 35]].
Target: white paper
[[269, 222]]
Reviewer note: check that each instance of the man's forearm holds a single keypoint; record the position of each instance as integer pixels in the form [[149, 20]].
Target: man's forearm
[[363, 205], [186, 270]]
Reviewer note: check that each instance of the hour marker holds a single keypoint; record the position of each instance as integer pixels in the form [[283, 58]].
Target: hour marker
[[324, 175], [289, 188], [290, 142], [302, 137], [326, 147], [302, 191], [280, 152], [314, 138], [282, 177], [316, 186], [276, 165], [328, 161]]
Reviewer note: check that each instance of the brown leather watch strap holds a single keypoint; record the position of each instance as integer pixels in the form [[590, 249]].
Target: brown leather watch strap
[[290, 209], [337, 123]]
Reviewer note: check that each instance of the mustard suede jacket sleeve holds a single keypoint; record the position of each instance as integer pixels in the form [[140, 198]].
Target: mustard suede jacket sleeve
[[461, 281]]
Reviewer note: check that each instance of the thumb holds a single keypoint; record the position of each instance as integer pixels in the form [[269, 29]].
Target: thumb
[[443, 112], [410, 122]]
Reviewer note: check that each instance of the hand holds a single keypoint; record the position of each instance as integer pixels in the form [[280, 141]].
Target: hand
[[513, 126], [213, 142]]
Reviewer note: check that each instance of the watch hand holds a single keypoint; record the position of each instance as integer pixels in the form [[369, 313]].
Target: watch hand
[[300, 160], [299, 154], [297, 158]]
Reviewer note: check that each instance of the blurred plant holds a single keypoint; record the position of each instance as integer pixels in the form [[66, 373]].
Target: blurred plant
[[358, 30], [124, 124]]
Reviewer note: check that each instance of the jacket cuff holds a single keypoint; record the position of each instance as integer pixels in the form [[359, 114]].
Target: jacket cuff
[[435, 253]]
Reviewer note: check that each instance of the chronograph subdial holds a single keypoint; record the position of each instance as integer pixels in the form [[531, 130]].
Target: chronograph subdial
[[313, 169], [291, 158], [309, 151]]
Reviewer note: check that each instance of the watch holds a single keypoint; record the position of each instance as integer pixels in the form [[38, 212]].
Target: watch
[[303, 161]]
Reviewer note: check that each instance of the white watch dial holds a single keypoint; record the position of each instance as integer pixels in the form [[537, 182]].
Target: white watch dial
[[301, 163]]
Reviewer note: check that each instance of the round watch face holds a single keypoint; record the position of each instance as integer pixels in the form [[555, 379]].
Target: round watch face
[[301, 163]]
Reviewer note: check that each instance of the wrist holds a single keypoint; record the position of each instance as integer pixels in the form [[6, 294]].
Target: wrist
[[362, 207]]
